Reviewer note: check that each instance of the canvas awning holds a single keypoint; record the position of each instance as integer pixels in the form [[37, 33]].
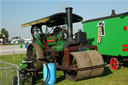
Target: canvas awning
[[53, 20]]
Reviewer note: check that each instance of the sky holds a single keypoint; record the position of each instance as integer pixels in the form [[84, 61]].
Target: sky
[[14, 13]]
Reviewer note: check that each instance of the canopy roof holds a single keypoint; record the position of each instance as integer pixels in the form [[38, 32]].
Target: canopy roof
[[53, 20]]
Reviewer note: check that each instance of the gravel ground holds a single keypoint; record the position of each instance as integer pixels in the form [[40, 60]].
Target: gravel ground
[[12, 49]]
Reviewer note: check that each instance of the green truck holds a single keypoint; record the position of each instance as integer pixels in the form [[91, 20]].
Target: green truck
[[110, 35]]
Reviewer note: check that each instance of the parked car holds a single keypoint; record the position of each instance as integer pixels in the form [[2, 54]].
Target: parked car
[[17, 40]]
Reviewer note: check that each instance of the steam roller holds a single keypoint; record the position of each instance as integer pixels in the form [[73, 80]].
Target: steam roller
[[85, 59], [55, 42]]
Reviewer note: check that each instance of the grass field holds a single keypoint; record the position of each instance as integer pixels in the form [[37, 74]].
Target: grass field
[[109, 77]]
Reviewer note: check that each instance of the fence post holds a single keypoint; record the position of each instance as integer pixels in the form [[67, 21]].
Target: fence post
[[13, 55]]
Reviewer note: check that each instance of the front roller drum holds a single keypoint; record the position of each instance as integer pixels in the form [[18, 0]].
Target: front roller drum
[[84, 59]]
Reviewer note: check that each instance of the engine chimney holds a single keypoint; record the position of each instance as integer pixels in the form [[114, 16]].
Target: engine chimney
[[113, 13], [69, 22]]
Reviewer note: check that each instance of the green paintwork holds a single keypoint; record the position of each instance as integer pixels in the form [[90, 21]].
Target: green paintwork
[[58, 36], [51, 43], [23, 66], [60, 45], [115, 36], [57, 44], [50, 38]]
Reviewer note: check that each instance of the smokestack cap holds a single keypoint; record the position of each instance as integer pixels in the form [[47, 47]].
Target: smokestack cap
[[68, 8], [113, 13]]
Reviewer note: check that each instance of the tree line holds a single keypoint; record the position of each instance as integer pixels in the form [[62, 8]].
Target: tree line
[[4, 33]]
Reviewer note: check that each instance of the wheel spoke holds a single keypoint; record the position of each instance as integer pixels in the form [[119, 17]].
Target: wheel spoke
[[115, 63], [112, 61], [115, 66]]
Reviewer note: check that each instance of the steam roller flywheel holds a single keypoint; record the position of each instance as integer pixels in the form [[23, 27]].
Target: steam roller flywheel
[[83, 59]]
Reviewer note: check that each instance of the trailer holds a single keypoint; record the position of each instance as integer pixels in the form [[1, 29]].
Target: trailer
[[110, 35]]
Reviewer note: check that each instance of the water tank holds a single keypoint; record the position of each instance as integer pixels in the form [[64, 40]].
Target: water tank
[[51, 79]]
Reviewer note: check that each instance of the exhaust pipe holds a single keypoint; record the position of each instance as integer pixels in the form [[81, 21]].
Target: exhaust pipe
[[69, 22], [70, 40]]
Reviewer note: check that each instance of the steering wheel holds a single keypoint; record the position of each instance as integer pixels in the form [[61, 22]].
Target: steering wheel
[[57, 30]]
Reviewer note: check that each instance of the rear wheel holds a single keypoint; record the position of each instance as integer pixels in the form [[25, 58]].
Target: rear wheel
[[114, 63], [34, 52]]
